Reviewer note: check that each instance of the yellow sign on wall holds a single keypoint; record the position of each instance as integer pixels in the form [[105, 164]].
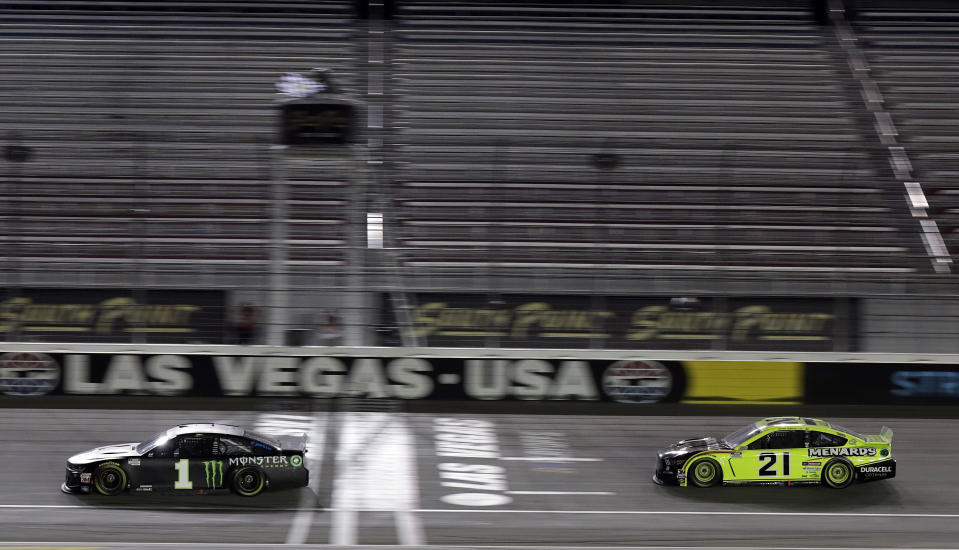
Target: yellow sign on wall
[[743, 382]]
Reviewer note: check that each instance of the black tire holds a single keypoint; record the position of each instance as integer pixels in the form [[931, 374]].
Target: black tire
[[706, 473], [109, 479], [248, 481], [838, 473]]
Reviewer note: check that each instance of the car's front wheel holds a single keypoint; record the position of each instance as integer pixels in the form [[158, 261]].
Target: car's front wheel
[[109, 479], [706, 473], [838, 473], [248, 481]]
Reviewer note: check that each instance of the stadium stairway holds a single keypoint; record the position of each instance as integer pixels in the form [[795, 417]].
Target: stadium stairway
[[913, 55]]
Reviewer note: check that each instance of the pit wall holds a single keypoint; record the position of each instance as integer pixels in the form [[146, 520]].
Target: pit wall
[[479, 375]]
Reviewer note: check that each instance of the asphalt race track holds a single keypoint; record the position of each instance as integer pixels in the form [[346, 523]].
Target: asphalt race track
[[467, 480]]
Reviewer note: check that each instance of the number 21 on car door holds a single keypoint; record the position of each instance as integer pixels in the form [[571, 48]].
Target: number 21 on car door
[[774, 456]]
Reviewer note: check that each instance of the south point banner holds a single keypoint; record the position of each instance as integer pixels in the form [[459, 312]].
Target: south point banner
[[171, 316], [625, 322]]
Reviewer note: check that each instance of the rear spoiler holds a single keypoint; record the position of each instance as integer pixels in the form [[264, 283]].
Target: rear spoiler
[[292, 442], [885, 434]]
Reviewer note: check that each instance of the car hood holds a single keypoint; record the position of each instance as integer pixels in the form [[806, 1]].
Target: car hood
[[695, 444], [107, 452]]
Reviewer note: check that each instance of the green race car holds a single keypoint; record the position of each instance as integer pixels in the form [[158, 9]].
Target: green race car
[[788, 450]]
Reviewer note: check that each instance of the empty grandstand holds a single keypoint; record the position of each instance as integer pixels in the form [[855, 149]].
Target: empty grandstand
[[631, 147]]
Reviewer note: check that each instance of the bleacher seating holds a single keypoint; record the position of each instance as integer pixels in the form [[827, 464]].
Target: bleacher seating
[[736, 128], [151, 124], [739, 143]]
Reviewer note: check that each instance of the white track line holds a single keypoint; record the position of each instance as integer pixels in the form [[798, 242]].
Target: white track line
[[550, 459], [346, 490], [208, 545], [375, 469], [491, 511], [314, 426], [559, 493], [300, 528]]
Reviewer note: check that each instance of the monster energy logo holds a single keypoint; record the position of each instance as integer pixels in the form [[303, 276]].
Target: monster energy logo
[[210, 469]]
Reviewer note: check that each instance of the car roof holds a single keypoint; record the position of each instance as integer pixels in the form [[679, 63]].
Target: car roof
[[220, 429], [802, 422], [792, 421], [210, 428]]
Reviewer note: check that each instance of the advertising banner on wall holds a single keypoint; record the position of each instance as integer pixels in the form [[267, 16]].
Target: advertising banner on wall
[[27, 374], [107, 315], [882, 383], [626, 381], [625, 322]]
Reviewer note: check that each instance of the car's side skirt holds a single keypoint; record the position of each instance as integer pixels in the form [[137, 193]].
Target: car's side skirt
[[769, 482]]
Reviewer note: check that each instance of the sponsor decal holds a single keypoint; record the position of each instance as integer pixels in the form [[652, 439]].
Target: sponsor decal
[[263, 461], [844, 451], [876, 469], [210, 470], [133, 462], [26, 373], [145, 488], [812, 463], [637, 381], [86, 477], [296, 461]]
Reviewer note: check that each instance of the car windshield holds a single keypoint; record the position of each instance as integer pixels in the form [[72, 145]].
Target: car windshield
[[153, 441], [839, 428], [740, 436]]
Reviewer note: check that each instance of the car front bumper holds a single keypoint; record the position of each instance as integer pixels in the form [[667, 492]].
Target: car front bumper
[[77, 481], [666, 476]]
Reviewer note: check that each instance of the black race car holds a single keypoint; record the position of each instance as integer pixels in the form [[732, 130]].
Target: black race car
[[192, 458]]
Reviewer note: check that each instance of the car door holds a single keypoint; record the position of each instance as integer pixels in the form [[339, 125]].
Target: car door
[[192, 455], [154, 472], [775, 456]]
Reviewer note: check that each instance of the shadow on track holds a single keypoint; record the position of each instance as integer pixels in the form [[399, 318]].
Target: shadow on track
[[794, 499], [279, 501]]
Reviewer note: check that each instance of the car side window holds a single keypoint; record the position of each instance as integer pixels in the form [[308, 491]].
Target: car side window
[[162, 451], [262, 449], [823, 439], [232, 446], [780, 439], [193, 446]]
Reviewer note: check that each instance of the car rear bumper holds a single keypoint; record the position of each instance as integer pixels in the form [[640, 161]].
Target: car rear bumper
[[876, 471]]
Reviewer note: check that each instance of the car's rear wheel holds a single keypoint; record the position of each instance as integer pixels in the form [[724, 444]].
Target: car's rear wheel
[[706, 473], [109, 479], [838, 473], [248, 481]]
